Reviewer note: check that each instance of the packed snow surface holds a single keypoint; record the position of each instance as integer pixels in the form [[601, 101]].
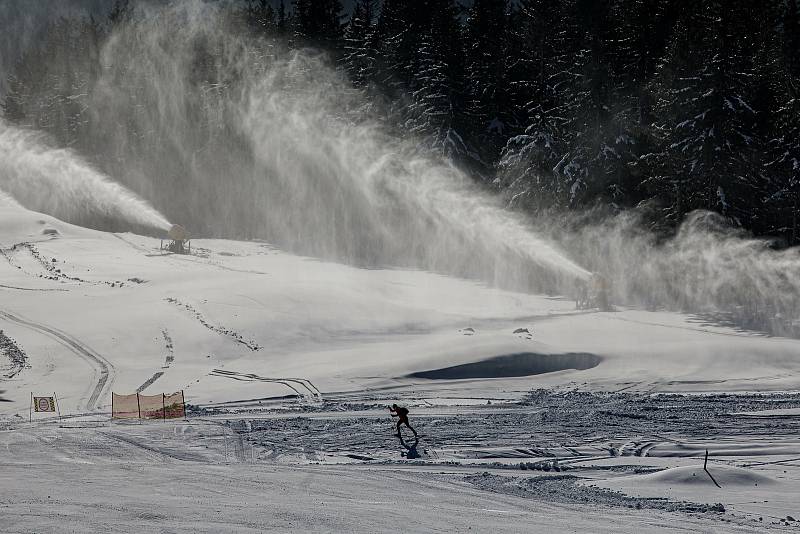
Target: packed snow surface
[[530, 411]]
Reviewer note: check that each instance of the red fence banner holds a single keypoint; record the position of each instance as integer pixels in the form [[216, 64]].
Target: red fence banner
[[138, 406], [174, 406], [124, 406], [152, 406]]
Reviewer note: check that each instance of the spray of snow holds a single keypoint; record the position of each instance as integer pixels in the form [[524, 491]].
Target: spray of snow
[[8, 200], [706, 267], [235, 136], [60, 183], [275, 144]]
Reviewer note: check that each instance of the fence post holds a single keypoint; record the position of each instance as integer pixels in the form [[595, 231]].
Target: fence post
[[138, 405], [183, 401], [705, 468], [55, 398], [163, 407]]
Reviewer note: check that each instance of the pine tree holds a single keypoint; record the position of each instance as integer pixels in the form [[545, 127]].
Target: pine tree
[[319, 23], [282, 20], [261, 15], [600, 146], [639, 40], [537, 168], [436, 111], [782, 164], [50, 86], [360, 45], [398, 29], [708, 145], [489, 50]]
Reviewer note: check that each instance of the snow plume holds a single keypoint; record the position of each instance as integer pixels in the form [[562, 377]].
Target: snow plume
[[238, 137], [8, 200], [707, 267], [60, 183]]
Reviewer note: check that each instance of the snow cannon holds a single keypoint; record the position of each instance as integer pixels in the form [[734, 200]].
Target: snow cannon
[[601, 288], [593, 293], [178, 239]]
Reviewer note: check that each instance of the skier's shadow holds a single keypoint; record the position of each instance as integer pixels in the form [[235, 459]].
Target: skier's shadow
[[411, 448]]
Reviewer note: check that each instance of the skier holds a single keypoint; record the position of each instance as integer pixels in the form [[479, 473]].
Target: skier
[[402, 414]]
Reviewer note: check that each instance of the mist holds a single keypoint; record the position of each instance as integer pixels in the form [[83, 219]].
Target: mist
[[708, 268], [59, 183], [237, 136]]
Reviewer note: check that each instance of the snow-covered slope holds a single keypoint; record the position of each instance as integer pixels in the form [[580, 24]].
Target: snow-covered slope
[[97, 312], [237, 324]]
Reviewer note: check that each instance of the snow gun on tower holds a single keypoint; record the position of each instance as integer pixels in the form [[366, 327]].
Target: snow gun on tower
[[178, 240]]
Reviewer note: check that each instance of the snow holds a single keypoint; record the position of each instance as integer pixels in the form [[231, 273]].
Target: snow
[[191, 496], [241, 326], [760, 494]]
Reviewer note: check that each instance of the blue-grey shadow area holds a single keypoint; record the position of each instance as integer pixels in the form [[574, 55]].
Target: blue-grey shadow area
[[410, 447], [510, 365]]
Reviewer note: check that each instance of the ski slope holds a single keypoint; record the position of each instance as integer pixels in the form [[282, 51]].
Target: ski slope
[[91, 310], [248, 331]]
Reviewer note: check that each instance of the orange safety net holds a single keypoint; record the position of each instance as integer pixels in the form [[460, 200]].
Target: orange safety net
[[124, 406], [151, 406], [137, 406], [174, 406]]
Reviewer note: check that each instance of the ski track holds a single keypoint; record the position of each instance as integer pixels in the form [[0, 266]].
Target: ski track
[[745, 334], [149, 382], [132, 244], [235, 336], [32, 288], [288, 382], [51, 272], [102, 368], [572, 429], [163, 453], [206, 253], [546, 457], [17, 356], [170, 348], [170, 357]]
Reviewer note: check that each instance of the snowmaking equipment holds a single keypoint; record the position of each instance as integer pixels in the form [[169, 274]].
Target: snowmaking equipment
[[178, 240], [593, 293]]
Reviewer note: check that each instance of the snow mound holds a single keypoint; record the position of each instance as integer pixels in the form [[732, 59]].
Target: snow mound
[[726, 476], [18, 224]]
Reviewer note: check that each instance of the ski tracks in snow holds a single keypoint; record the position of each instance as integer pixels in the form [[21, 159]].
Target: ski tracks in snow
[[235, 336], [103, 370], [17, 356], [170, 357], [301, 386]]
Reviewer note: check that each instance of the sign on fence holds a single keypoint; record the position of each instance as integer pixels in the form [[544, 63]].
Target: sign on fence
[[137, 406], [43, 404]]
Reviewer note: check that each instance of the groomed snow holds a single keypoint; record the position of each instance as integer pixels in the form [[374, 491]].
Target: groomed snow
[[239, 326], [342, 328]]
